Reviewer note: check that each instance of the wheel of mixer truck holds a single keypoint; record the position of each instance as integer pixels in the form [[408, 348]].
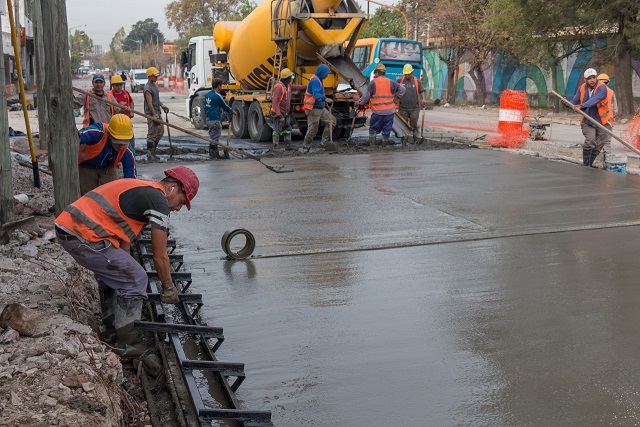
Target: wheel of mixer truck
[[259, 130], [239, 120], [197, 112]]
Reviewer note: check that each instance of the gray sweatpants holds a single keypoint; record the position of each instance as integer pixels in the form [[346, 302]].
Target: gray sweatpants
[[112, 266]]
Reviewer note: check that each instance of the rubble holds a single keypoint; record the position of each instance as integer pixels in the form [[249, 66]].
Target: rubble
[[53, 369]]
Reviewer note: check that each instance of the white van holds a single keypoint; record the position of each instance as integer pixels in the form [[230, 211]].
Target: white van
[[138, 77]]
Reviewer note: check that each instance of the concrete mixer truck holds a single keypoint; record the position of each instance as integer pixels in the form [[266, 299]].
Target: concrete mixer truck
[[248, 56]]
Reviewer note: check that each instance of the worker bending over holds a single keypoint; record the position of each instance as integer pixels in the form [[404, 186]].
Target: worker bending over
[[281, 108], [104, 148], [97, 230]]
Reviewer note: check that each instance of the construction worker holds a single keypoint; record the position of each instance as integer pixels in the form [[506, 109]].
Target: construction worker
[[383, 96], [152, 107], [94, 110], [123, 98], [592, 97], [213, 104], [123, 76], [613, 102], [281, 107], [410, 103], [103, 149], [97, 230], [315, 101]]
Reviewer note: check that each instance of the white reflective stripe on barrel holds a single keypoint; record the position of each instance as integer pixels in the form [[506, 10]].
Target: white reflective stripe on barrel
[[510, 116]]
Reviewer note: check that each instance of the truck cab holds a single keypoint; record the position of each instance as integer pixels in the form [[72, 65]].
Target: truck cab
[[197, 73], [138, 77], [393, 52]]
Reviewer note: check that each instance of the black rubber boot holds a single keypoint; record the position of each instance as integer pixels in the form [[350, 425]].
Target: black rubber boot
[[386, 141], [213, 151], [128, 310], [287, 140], [586, 156], [276, 140], [107, 312], [594, 155], [372, 139]]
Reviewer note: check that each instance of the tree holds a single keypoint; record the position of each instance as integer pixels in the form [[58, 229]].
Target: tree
[[115, 55], [146, 31], [544, 33], [80, 43], [621, 19], [186, 14], [384, 23]]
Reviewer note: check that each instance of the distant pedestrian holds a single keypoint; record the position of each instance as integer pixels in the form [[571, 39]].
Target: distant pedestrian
[[613, 102], [383, 96], [213, 104], [592, 97], [103, 150], [94, 110], [123, 76], [315, 101], [411, 102], [281, 107], [152, 107], [123, 98]]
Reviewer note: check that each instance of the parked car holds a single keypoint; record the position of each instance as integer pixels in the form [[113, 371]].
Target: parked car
[[138, 77]]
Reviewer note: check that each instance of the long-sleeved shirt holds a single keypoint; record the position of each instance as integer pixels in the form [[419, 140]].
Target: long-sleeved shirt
[[99, 112], [397, 90], [282, 104], [591, 98], [92, 135], [213, 102]]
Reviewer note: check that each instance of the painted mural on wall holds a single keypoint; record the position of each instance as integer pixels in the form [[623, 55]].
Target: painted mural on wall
[[504, 74]]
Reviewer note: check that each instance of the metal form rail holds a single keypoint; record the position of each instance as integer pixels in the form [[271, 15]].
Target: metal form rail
[[182, 326]]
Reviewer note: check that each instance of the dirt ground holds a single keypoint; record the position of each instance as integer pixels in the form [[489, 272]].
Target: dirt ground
[[62, 374]]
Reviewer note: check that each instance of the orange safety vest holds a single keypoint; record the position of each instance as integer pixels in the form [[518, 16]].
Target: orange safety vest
[[383, 98], [97, 215], [87, 120], [605, 107], [86, 152], [310, 100], [286, 92]]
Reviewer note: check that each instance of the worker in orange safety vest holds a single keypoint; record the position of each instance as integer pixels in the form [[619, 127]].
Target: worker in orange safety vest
[[94, 110]]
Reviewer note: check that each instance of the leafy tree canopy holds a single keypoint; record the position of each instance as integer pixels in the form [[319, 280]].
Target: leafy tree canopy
[[384, 23], [80, 42], [146, 31]]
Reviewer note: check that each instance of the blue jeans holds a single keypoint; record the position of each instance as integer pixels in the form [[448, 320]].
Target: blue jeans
[[379, 123]]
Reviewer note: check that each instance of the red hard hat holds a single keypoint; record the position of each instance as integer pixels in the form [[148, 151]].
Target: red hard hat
[[188, 179]]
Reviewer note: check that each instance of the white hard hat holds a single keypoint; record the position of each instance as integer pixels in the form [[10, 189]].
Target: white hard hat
[[590, 72]]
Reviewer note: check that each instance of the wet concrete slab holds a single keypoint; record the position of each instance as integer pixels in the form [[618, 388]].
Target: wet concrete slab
[[441, 287]]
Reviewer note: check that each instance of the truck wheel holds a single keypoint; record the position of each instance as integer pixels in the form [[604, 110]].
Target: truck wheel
[[259, 130], [196, 115], [239, 120]]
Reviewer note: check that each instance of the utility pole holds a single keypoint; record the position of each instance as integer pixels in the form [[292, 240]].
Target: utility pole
[[55, 106], [6, 182]]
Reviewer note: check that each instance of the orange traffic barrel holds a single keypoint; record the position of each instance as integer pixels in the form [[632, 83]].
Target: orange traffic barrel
[[172, 81], [160, 81], [513, 109]]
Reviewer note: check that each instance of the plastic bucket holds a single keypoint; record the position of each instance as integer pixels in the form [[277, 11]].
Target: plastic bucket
[[615, 163]]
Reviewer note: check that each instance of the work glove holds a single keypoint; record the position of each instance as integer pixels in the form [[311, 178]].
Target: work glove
[[423, 104], [169, 295], [165, 108]]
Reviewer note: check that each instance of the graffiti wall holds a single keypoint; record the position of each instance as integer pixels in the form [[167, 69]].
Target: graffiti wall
[[504, 74]]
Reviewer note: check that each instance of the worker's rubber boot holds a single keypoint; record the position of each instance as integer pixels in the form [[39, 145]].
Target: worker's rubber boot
[[287, 140], [409, 139], [276, 140], [108, 313], [372, 140], [213, 151], [151, 153], [326, 137], [586, 156], [594, 155], [386, 141], [128, 310], [306, 145]]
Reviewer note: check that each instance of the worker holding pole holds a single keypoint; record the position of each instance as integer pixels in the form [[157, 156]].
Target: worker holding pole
[[97, 230], [592, 97]]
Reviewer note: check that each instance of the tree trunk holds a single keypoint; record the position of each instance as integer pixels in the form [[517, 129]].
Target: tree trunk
[[6, 182], [623, 88], [554, 101], [452, 69], [57, 100], [478, 79]]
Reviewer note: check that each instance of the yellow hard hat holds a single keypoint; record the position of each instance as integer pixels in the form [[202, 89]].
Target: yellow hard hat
[[603, 77], [153, 71], [116, 80], [120, 127], [285, 73], [380, 67], [408, 69]]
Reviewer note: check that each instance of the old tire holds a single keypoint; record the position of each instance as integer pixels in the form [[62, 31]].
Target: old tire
[[239, 120], [259, 130]]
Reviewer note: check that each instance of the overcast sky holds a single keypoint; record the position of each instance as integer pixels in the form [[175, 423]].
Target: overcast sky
[[103, 21]]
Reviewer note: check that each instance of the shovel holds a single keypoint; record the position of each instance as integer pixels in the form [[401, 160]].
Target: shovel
[[166, 115], [598, 125]]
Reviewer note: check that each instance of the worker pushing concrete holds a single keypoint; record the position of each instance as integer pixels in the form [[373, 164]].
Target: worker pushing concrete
[[383, 96], [281, 108], [412, 101], [97, 231], [315, 102], [213, 104], [152, 107]]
